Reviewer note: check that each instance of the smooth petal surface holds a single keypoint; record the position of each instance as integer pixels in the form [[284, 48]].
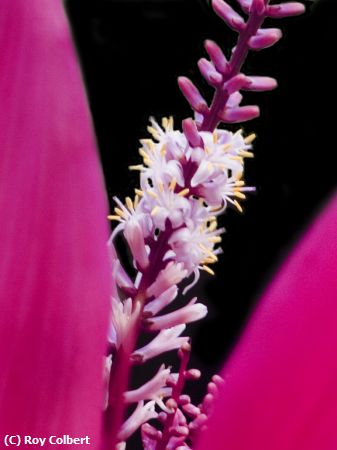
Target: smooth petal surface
[[54, 266], [280, 387]]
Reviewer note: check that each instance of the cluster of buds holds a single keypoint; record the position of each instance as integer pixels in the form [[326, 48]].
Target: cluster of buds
[[224, 75], [187, 179]]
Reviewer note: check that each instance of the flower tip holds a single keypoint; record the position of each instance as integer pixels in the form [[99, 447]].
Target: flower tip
[[285, 10]]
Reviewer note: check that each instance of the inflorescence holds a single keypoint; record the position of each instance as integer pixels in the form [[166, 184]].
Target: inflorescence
[[187, 179]]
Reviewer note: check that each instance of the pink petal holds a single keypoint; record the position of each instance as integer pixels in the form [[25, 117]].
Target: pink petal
[[55, 275], [280, 387]]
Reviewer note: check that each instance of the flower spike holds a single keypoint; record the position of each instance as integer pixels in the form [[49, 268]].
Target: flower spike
[[225, 75], [187, 179]]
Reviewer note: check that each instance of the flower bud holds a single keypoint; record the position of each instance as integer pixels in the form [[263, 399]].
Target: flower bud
[[285, 10], [227, 13], [265, 38], [240, 114], [218, 58], [192, 95]]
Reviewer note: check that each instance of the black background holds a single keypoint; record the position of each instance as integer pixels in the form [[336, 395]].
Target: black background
[[132, 52]]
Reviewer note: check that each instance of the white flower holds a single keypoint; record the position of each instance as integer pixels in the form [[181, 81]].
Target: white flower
[[165, 341], [190, 313], [193, 245], [140, 415], [161, 202], [123, 318], [155, 389], [171, 275], [164, 299]]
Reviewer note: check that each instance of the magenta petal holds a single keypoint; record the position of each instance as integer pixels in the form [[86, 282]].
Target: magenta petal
[[280, 387], [55, 275]]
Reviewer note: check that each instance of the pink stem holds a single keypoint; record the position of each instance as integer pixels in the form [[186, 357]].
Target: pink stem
[[185, 352], [211, 119], [120, 371]]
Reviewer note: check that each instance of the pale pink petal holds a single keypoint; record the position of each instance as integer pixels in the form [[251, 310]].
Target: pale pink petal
[[280, 388], [54, 266]]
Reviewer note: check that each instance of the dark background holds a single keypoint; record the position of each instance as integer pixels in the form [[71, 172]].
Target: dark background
[[132, 52]]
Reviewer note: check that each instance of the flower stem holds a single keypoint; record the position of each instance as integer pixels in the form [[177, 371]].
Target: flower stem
[[120, 370], [176, 392], [239, 55]]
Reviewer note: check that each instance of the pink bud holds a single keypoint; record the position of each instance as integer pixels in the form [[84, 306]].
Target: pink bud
[[208, 71], [285, 10], [265, 38], [239, 114], [218, 58], [234, 100], [191, 133], [245, 5], [191, 410], [236, 83], [260, 84], [184, 399], [208, 404], [227, 13], [178, 431], [151, 431], [192, 95], [212, 388], [192, 374], [219, 381], [198, 422]]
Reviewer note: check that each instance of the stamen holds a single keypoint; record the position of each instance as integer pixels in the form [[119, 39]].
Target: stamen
[[207, 269], [137, 167], [237, 204], [147, 162], [249, 139], [163, 150], [154, 132], [113, 217], [149, 143], [154, 211], [215, 137], [120, 212], [152, 194], [164, 122], [239, 194], [129, 203], [184, 192], [212, 226], [246, 154], [216, 239], [139, 192], [226, 147], [173, 184], [143, 153]]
